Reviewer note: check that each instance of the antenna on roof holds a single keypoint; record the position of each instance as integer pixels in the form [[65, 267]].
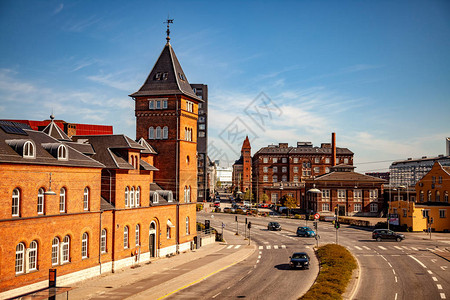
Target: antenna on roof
[[168, 22]]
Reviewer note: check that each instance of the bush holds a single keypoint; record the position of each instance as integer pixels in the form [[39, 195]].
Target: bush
[[199, 206], [336, 268]]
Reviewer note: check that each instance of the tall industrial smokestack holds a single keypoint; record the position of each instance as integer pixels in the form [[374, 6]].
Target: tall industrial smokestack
[[333, 149]]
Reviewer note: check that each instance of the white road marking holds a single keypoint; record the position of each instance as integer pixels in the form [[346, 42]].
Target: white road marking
[[369, 255], [393, 271], [365, 247], [268, 247], [307, 247], [434, 278], [382, 248], [383, 257], [397, 247], [237, 247], [259, 256], [275, 246], [261, 247], [443, 296], [434, 260], [415, 249], [443, 268], [437, 249], [405, 247], [430, 272], [439, 286], [257, 261], [231, 246], [216, 295], [420, 263], [389, 264], [395, 296], [283, 246], [359, 248], [395, 255], [395, 278]]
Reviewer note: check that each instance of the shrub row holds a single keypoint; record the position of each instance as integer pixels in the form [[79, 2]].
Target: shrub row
[[336, 267]]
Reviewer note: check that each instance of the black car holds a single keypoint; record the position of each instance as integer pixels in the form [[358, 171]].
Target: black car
[[299, 260], [386, 234], [274, 226]]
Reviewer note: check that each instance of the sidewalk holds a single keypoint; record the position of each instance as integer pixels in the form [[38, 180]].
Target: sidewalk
[[161, 277]]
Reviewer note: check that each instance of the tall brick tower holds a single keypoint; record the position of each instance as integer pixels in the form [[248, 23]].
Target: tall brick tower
[[246, 165], [166, 110]]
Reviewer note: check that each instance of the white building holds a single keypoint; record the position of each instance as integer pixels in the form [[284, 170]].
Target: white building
[[224, 175]]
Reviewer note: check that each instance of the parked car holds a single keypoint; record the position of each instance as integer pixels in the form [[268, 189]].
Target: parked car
[[305, 231], [274, 226], [299, 260], [385, 234], [227, 210], [217, 203]]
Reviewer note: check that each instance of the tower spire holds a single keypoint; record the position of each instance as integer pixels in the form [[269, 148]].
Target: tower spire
[[168, 22]]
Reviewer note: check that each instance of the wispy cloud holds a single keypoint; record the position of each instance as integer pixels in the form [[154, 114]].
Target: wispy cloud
[[58, 9], [115, 80], [81, 25]]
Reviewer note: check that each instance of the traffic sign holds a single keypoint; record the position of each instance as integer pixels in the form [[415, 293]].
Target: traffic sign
[[316, 216]]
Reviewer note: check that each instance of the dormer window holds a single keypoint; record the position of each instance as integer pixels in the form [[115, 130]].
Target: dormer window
[[62, 152], [181, 76], [164, 76], [28, 150], [158, 76]]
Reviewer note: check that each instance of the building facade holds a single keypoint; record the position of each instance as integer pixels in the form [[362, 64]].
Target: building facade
[[294, 165], [242, 169]]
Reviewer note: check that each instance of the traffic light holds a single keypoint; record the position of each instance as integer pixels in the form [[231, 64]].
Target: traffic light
[[337, 225], [315, 225], [207, 224], [431, 220], [249, 225]]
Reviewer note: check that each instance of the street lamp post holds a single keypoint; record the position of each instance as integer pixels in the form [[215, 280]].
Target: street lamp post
[[316, 191]]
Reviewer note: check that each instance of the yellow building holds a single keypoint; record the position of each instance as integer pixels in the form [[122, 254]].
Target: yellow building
[[432, 206]]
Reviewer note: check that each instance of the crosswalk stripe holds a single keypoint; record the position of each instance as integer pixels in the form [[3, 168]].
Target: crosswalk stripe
[[268, 247], [358, 248], [397, 247], [283, 246], [365, 247], [382, 248], [275, 247], [229, 247], [405, 247], [261, 247], [237, 247], [307, 247], [415, 249]]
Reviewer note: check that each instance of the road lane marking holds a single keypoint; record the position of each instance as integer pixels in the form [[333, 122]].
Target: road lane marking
[[443, 268], [237, 247], [307, 247], [439, 286], [430, 272], [365, 247], [259, 256], [395, 278], [359, 248], [393, 271], [405, 247], [389, 264], [443, 296], [434, 260], [216, 295], [229, 247], [257, 261], [434, 278], [397, 247], [383, 257], [420, 263], [415, 249], [382, 248], [395, 296], [268, 247], [283, 246], [275, 247]]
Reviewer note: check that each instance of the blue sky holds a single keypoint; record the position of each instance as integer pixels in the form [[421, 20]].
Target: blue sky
[[375, 72]]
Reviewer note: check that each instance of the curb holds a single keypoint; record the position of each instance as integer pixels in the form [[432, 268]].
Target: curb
[[446, 257], [353, 286]]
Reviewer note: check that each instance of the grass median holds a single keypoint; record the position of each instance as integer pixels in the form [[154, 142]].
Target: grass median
[[336, 267]]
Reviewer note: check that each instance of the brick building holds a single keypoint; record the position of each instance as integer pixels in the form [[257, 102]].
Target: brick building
[[242, 169], [118, 202], [280, 170]]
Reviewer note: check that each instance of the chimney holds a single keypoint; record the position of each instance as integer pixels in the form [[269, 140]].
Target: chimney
[[333, 149]]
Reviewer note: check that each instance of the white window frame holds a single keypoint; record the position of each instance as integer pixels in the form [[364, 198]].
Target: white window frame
[[275, 160], [158, 133], [284, 178], [187, 226], [316, 160], [342, 193], [425, 213], [325, 194], [138, 196], [137, 235], [295, 160], [265, 160], [104, 241], [275, 178], [29, 150], [327, 160], [127, 195], [357, 195], [295, 169], [165, 133], [20, 259], [55, 251], [151, 104], [357, 207], [125, 237], [151, 133], [84, 245], [32, 256], [65, 247], [132, 197], [62, 152], [164, 104], [86, 198], [62, 200], [284, 160], [265, 178], [373, 207], [316, 170], [442, 213], [325, 206], [40, 201], [15, 207], [295, 178]]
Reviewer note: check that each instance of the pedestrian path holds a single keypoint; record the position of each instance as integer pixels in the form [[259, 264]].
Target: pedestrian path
[[391, 247]]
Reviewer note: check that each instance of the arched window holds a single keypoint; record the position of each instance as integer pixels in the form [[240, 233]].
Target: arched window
[[28, 150], [187, 225], [55, 251], [103, 241], [170, 196], [437, 196], [32, 256], [66, 249], [151, 133], [20, 258], [132, 160], [446, 196], [187, 160], [132, 197], [158, 133], [62, 152], [86, 199], [84, 245], [125, 237], [15, 203], [421, 196], [429, 196], [155, 197], [188, 196], [165, 132], [137, 235], [62, 200], [127, 192], [185, 194], [138, 196], [40, 201]]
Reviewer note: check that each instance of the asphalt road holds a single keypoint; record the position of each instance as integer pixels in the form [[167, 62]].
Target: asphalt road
[[389, 270]]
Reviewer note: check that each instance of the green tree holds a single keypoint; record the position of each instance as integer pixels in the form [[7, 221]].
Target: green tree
[[218, 184], [264, 198], [289, 202], [248, 196]]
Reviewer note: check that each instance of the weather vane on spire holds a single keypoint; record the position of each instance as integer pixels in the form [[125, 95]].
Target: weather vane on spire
[[168, 22]]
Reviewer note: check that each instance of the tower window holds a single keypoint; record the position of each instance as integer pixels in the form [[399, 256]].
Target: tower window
[[157, 76], [164, 104], [164, 76], [158, 104], [151, 104]]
